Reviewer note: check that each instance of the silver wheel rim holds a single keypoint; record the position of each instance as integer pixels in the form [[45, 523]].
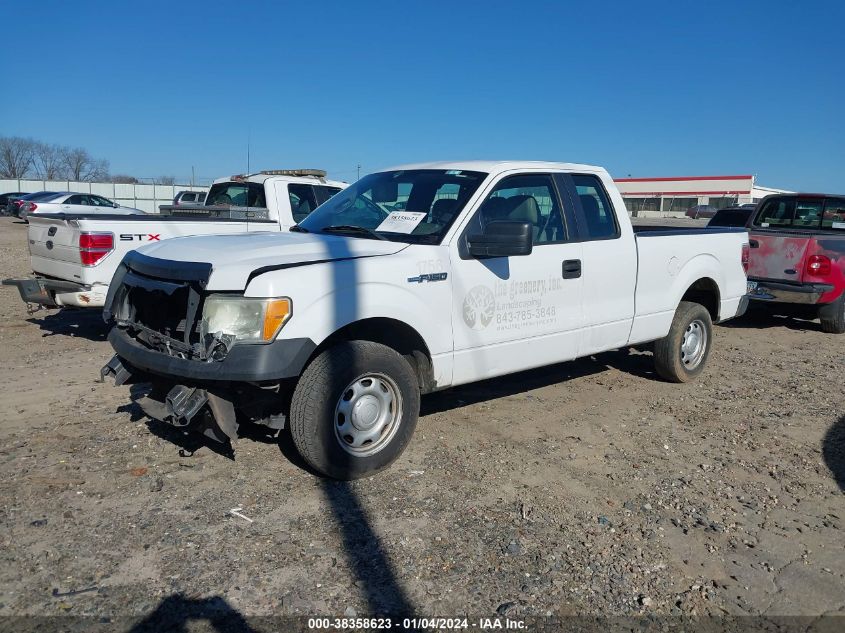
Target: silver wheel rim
[[694, 344], [368, 414]]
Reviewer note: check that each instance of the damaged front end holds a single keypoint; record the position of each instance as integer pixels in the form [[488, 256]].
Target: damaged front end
[[202, 377], [215, 411]]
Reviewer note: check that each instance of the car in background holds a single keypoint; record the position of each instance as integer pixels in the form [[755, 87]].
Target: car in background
[[7, 198], [701, 211], [72, 202], [732, 216], [798, 256], [15, 205], [189, 197]]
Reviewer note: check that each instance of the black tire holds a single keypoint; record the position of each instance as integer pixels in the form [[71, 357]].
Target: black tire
[[318, 393], [832, 316], [669, 356]]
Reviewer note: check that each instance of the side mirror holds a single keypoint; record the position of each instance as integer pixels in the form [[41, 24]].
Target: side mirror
[[502, 238], [115, 205]]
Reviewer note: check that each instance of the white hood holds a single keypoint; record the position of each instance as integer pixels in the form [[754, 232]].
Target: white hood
[[234, 258]]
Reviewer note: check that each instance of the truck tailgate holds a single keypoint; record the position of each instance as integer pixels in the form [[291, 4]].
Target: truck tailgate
[[54, 247], [778, 257]]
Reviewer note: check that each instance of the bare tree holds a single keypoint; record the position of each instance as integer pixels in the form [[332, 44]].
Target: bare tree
[[16, 156], [81, 166], [48, 161], [123, 179], [165, 180], [99, 171]]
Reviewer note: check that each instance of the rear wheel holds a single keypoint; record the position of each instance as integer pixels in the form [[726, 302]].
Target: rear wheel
[[354, 409], [681, 355], [833, 316]]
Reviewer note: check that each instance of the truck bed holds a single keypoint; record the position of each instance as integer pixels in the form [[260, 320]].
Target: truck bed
[[648, 230]]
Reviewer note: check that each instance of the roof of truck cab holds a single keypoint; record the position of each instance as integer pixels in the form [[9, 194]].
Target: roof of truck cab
[[302, 180], [490, 166]]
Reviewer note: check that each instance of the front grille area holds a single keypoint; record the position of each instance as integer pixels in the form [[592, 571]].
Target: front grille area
[[159, 303], [162, 313]]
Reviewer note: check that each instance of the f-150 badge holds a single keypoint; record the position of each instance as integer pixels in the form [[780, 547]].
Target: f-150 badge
[[428, 277]]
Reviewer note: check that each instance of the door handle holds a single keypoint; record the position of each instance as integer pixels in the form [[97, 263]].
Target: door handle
[[754, 243], [571, 268]]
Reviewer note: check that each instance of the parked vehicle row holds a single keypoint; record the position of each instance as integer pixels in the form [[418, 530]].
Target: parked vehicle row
[[23, 205], [70, 202], [411, 280], [75, 256], [7, 199]]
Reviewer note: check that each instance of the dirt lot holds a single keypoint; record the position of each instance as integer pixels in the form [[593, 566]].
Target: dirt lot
[[585, 488]]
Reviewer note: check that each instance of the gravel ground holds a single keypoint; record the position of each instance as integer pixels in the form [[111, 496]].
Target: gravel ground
[[588, 487]]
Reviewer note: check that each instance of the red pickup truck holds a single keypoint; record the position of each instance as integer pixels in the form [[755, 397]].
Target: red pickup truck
[[798, 254]]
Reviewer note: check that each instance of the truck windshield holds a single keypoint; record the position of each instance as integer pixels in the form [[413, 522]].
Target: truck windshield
[[414, 206], [236, 194]]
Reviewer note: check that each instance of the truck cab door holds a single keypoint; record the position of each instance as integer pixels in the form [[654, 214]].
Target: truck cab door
[[518, 312], [609, 264], [294, 201]]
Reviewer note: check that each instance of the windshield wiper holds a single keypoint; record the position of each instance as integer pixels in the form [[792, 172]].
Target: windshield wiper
[[349, 228], [298, 229]]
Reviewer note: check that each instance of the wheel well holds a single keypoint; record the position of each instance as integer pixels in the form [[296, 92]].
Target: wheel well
[[394, 334], [706, 292]]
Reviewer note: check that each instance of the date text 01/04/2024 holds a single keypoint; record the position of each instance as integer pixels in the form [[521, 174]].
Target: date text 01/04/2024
[[482, 624]]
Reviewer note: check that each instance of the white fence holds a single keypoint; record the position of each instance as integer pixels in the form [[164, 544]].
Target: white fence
[[144, 197]]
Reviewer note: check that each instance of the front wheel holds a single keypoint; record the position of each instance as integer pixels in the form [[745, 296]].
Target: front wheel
[[680, 356], [354, 409]]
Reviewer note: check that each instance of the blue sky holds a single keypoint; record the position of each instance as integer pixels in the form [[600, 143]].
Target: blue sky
[[647, 89]]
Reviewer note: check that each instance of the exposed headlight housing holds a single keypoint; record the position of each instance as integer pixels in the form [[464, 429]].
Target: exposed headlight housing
[[243, 318]]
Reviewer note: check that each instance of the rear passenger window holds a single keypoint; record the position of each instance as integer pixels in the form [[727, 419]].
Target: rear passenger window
[[834, 214], [599, 219], [302, 201], [524, 198], [324, 192], [776, 213]]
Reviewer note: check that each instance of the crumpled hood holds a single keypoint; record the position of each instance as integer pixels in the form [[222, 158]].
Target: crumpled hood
[[234, 258]]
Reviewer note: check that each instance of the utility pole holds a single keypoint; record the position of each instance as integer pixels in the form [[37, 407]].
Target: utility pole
[[359, 172]]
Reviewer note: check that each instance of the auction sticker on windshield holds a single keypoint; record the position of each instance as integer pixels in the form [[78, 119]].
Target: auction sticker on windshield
[[401, 221]]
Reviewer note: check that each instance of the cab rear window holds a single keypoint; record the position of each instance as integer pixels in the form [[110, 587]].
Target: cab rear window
[[237, 194], [802, 213]]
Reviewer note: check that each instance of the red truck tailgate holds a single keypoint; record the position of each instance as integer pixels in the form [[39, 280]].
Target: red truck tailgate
[[778, 257]]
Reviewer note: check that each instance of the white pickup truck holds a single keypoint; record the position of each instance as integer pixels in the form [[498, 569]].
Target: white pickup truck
[[75, 255], [411, 280]]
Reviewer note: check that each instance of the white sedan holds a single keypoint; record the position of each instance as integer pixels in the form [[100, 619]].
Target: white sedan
[[70, 202]]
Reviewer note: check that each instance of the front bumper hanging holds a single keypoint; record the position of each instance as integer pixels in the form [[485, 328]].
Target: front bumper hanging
[[183, 406], [38, 292]]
